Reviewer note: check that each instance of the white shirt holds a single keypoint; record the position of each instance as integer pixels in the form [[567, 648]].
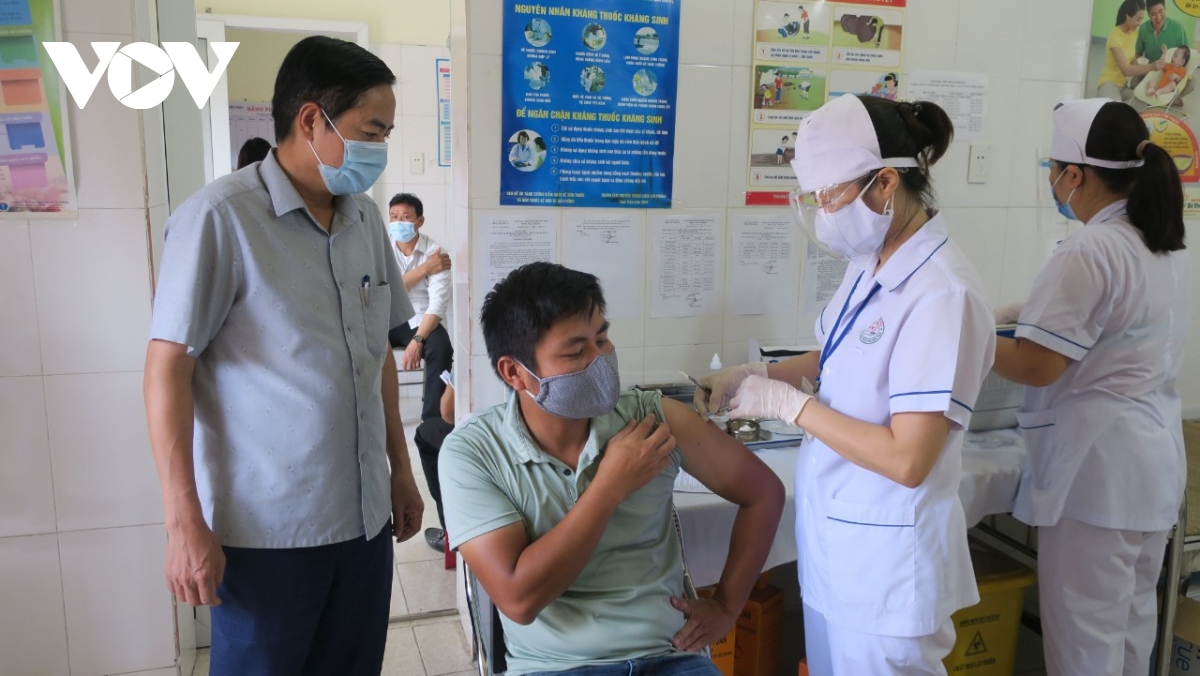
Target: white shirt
[[431, 295], [1105, 440], [874, 555]]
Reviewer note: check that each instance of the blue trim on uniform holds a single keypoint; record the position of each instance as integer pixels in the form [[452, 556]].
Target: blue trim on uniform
[[912, 394], [969, 409], [1037, 427], [1035, 326], [864, 523], [914, 271]]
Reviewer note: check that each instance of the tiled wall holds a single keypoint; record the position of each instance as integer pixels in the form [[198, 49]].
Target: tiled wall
[[416, 133], [81, 525], [995, 223]]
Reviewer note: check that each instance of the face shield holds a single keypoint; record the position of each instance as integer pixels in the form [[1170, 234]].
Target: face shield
[[1052, 226], [808, 205]]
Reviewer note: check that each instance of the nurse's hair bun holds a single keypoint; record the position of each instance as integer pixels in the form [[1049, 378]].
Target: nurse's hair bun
[[918, 129]]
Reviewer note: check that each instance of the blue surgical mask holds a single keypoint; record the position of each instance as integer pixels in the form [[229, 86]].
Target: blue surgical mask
[[362, 164], [1064, 208], [589, 393], [402, 231]]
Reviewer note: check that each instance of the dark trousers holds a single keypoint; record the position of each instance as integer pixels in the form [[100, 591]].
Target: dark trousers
[[438, 355], [429, 438], [310, 611]]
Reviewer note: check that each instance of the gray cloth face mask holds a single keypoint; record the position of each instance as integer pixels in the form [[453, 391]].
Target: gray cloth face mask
[[589, 393]]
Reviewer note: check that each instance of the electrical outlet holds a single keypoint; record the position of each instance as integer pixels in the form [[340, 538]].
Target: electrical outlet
[[979, 166], [416, 162]]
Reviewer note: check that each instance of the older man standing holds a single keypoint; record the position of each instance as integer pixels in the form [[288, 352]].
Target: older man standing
[[271, 389]]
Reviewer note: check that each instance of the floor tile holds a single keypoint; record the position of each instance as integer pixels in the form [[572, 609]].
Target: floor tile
[[399, 606], [428, 586], [443, 647], [201, 668], [401, 658]]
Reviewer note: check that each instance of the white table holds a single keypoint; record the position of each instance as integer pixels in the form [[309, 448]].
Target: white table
[[991, 471]]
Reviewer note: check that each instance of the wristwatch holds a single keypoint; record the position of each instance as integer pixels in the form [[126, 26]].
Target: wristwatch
[[419, 338]]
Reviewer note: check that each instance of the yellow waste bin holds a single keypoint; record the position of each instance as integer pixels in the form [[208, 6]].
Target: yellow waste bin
[[986, 643]]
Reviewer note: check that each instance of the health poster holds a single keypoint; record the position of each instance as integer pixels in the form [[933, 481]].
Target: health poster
[[1148, 59], [35, 176], [589, 103], [806, 53]]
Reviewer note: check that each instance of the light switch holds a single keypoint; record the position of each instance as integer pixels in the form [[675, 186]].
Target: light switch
[[416, 163], [979, 166]]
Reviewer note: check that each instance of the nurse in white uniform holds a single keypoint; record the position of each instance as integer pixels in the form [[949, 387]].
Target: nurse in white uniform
[[1100, 344], [907, 341]]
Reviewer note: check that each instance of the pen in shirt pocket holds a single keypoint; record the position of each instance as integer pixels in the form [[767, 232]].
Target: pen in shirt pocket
[[366, 290]]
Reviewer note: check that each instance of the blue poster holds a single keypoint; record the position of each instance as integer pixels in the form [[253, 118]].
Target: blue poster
[[589, 103]]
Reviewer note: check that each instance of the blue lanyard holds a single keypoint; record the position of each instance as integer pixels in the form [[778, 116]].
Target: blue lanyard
[[831, 345]]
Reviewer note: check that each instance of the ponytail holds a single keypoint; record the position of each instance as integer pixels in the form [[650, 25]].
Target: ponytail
[[920, 129], [1156, 201], [1154, 191]]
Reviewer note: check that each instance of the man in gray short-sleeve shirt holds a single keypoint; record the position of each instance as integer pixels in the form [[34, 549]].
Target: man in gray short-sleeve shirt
[[271, 389]]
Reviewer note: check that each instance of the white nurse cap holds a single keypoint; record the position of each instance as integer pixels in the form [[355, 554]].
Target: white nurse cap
[[1072, 124], [837, 143]]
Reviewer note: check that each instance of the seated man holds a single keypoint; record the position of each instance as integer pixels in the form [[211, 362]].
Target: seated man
[[560, 498], [426, 272], [429, 437]]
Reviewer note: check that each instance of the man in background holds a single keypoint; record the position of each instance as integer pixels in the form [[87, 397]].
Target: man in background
[[426, 270]]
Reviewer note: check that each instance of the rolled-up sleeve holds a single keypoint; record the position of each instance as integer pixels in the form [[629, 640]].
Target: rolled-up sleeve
[[439, 294], [198, 277]]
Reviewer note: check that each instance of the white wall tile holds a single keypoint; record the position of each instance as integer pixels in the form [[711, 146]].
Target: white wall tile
[[985, 36], [106, 139], [486, 141], [33, 636], [104, 472], [22, 353], [930, 36], [950, 173], [980, 233], [663, 364], [702, 162], [418, 134], [1035, 123], [108, 17], [739, 134], [631, 362], [418, 79], [93, 291], [1028, 243], [120, 616], [26, 489], [743, 33], [1055, 44], [486, 19], [487, 388], [705, 35]]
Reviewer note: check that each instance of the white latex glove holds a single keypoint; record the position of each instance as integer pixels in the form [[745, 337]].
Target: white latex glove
[[1008, 314], [723, 384], [759, 397]]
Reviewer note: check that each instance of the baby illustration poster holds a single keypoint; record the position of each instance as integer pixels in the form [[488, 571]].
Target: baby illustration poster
[[35, 176], [1145, 54]]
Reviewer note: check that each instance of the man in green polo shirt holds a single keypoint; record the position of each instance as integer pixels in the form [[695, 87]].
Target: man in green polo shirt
[[560, 499], [1158, 33]]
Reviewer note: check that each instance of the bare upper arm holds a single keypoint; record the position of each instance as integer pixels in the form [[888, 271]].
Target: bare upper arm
[[164, 354], [719, 462]]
